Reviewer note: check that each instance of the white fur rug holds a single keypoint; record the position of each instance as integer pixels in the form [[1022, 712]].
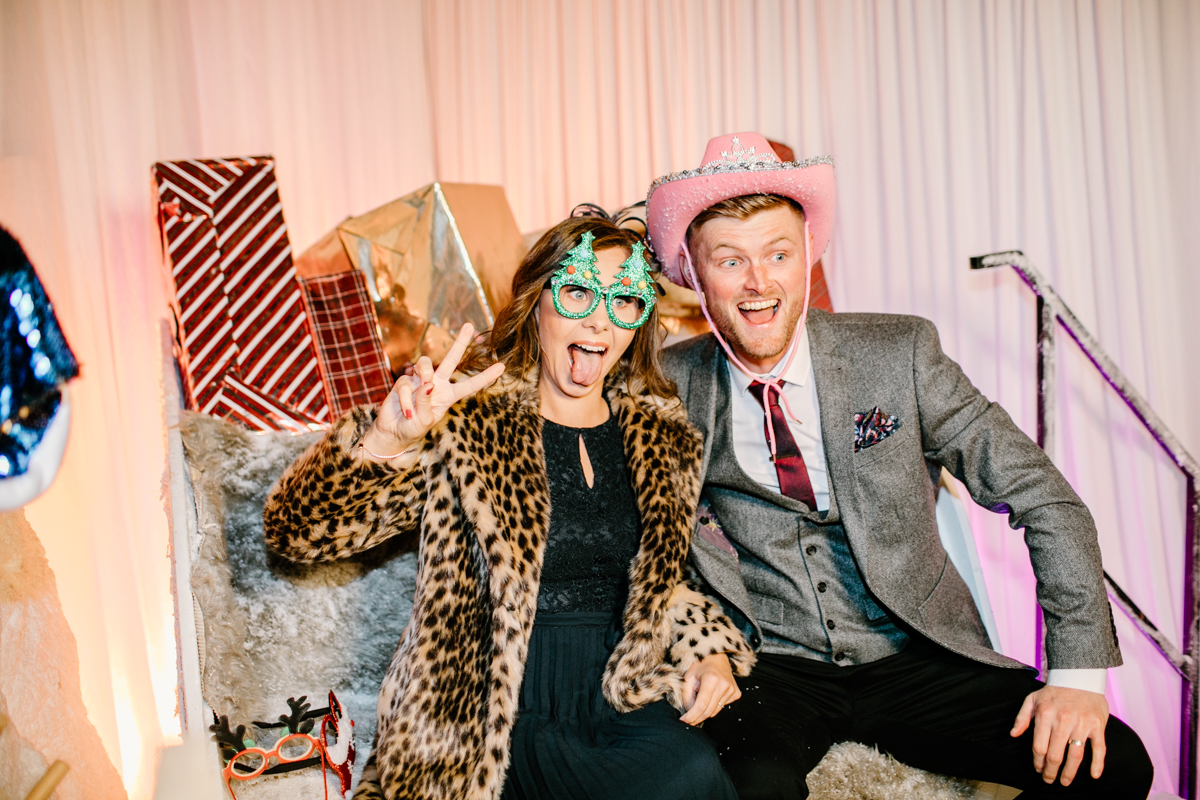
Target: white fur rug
[[852, 771], [272, 630]]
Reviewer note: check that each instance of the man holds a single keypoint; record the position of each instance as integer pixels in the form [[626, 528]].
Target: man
[[820, 430]]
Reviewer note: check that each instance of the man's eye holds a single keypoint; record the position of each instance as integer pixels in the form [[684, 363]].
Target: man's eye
[[779, 257], [729, 262]]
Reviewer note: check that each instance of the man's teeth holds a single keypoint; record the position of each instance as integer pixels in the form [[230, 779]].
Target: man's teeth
[[758, 305]]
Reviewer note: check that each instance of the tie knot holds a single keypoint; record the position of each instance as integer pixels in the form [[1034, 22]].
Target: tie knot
[[758, 388]]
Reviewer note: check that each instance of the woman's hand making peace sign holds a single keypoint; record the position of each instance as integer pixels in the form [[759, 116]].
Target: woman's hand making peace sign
[[417, 402]]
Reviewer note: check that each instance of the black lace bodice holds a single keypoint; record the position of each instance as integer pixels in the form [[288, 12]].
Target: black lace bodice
[[594, 533]]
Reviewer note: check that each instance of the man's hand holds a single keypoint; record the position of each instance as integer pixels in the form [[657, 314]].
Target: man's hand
[[708, 687], [1061, 716]]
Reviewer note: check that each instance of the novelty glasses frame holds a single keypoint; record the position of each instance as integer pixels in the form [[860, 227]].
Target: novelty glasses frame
[[633, 281]]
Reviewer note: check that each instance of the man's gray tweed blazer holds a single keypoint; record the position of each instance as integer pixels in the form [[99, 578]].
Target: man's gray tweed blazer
[[886, 498]]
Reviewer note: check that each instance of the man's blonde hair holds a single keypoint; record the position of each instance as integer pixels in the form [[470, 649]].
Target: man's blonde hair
[[740, 208]]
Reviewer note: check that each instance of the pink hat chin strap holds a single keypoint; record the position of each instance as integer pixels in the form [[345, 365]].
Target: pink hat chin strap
[[770, 384]]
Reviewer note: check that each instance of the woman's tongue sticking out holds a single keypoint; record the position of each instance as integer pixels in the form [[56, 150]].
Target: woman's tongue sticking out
[[586, 362]]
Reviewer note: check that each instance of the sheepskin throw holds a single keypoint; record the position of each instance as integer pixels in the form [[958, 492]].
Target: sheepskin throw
[[271, 629]]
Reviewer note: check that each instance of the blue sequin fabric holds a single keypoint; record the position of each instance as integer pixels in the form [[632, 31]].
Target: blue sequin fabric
[[35, 360]]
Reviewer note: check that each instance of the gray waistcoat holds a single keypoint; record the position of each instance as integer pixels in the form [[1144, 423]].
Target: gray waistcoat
[[808, 595]]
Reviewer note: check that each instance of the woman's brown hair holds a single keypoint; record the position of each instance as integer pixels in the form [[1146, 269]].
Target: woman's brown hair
[[513, 339]]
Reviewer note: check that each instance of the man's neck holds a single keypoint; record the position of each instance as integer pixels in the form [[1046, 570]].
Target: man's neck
[[757, 366], [772, 365]]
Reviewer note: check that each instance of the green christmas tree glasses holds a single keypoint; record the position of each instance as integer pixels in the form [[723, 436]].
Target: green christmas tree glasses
[[577, 290]]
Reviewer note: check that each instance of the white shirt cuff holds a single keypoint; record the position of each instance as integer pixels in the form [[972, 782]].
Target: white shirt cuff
[[1089, 680]]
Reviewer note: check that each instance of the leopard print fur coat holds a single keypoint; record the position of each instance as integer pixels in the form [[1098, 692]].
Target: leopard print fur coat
[[477, 492]]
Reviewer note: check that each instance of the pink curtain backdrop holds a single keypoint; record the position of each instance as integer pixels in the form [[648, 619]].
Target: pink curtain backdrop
[[1065, 129]]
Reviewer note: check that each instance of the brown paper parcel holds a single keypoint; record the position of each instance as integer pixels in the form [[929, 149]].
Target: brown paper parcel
[[433, 259]]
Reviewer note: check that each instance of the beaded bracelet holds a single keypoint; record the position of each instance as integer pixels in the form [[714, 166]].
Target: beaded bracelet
[[363, 447]]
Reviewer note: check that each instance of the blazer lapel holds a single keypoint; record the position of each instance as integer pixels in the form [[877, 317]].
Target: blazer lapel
[[835, 394], [704, 394], [701, 400]]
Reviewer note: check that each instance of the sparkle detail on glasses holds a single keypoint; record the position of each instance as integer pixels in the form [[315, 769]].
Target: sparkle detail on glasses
[[576, 288]]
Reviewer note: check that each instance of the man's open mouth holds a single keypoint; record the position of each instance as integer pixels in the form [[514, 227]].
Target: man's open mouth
[[758, 312]]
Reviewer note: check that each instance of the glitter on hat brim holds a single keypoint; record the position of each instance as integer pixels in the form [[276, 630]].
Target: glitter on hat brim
[[719, 167]]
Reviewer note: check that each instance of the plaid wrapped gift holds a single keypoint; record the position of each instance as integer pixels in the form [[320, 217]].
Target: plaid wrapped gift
[[238, 304], [353, 364]]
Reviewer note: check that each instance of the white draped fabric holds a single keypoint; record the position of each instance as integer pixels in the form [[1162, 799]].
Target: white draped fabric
[[1068, 130]]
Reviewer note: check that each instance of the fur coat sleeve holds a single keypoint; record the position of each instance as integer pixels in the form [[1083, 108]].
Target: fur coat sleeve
[[700, 628], [331, 504]]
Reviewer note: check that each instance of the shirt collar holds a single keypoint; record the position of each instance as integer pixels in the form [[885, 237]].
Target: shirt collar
[[797, 373]]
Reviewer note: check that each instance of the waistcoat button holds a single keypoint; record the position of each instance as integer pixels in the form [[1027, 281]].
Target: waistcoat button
[[811, 549], [821, 586], [831, 624], [839, 655]]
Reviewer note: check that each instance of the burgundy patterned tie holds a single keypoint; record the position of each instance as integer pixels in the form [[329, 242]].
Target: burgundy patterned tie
[[789, 463]]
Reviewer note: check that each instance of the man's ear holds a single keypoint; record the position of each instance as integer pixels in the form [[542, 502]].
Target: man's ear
[[690, 255]]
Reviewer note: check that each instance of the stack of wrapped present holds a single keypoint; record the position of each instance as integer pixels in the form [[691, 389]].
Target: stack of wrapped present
[[278, 345]]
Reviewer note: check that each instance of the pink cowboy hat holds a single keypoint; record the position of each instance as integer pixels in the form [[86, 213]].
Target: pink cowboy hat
[[734, 165]]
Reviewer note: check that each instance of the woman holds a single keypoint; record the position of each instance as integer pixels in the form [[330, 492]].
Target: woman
[[555, 507]]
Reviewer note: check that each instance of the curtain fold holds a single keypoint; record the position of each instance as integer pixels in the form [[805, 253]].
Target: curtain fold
[[1064, 129]]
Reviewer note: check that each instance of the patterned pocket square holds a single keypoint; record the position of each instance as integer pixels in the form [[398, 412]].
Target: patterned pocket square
[[872, 428]]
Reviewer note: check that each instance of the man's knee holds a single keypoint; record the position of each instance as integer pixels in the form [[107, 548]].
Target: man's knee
[[1128, 771]]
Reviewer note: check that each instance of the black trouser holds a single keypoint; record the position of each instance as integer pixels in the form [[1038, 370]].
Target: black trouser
[[928, 707]]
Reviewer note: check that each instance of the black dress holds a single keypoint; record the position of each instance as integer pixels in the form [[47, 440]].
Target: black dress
[[568, 743]]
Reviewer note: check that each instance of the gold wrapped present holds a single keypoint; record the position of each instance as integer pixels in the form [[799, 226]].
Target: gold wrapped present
[[433, 259]]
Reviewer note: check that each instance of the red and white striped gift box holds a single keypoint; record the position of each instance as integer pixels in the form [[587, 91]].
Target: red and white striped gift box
[[257, 411], [353, 363], [205, 334], [238, 303]]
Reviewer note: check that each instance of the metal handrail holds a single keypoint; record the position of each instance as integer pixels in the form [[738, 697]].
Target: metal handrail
[[1052, 311]]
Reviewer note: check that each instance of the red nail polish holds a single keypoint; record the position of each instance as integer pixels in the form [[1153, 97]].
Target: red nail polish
[[407, 414], [429, 390]]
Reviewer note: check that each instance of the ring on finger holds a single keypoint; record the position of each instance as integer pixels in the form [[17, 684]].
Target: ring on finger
[[1077, 743]]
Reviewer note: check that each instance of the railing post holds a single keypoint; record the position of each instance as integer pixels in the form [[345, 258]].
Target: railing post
[[1052, 311], [1046, 364], [1190, 700]]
